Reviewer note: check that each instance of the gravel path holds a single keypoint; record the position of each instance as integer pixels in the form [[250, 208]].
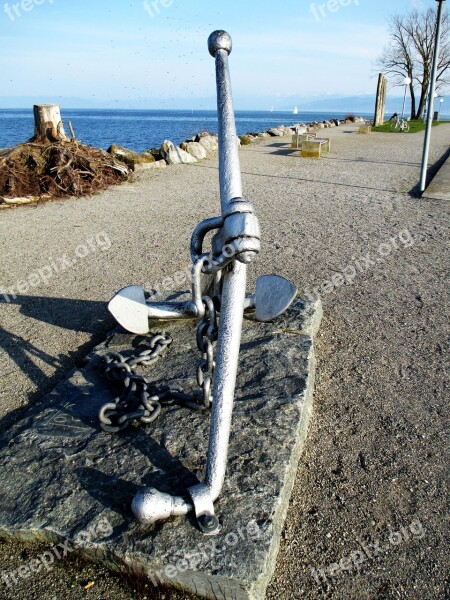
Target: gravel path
[[372, 475]]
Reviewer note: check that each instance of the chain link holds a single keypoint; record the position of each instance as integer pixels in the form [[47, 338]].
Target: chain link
[[206, 336], [138, 399]]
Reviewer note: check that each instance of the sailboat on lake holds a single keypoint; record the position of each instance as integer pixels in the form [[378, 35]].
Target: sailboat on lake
[[295, 111]]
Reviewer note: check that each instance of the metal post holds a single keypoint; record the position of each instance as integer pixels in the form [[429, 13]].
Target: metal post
[[426, 145], [404, 102], [234, 281]]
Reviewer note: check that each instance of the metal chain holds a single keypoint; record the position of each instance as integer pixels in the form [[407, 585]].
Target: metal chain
[[206, 336], [138, 399]]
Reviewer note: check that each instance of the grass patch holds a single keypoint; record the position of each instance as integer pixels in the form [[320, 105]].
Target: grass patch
[[414, 126]]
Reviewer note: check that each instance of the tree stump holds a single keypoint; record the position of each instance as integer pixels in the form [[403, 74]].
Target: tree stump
[[48, 126]]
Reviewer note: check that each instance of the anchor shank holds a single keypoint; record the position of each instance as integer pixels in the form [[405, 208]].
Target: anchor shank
[[233, 288], [230, 325], [229, 164]]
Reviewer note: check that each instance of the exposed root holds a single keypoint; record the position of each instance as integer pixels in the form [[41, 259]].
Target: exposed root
[[57, 170]]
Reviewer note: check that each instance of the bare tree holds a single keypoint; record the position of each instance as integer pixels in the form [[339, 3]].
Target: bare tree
[[410, 54]]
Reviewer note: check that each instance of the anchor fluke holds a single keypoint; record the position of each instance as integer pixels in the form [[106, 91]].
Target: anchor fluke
[[274, 295], [130, 310]]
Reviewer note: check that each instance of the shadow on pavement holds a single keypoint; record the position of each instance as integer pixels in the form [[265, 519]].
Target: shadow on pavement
[[72, 314]]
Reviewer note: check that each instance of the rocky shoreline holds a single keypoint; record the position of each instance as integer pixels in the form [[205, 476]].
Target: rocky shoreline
[[205, 144], [115, 165]]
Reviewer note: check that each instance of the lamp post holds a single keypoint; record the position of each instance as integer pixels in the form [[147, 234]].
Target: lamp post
[[441, 100], [406, 82], [435, 97], [426, 145]]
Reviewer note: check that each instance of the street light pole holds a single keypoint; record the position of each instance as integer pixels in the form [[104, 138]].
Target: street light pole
[[426, 145], [406, 82], [441, 100]]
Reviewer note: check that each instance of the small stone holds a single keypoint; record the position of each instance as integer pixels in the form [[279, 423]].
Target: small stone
[[147, 157], [158, 164], [202, 134]]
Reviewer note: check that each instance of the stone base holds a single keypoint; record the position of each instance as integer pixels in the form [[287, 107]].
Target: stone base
[[64, 479]]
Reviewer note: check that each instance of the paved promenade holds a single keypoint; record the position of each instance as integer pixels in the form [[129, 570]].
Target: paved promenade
[[368, 512]]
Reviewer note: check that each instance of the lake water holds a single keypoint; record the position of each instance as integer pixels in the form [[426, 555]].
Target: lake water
[[140, 130]]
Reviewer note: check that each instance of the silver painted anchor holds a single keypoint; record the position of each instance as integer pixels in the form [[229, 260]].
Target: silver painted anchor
[[235, 244]]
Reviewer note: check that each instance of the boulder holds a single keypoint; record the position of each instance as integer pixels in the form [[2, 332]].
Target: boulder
[[175, 156], [145, 157], [263, 134], [246, 140], [209, 142], [194, 149], [158, 164], [276, 131], [130, 158], [155, 152], [202, 134]]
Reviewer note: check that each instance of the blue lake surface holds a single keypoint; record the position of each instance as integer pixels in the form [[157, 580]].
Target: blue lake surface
[[140, 130]]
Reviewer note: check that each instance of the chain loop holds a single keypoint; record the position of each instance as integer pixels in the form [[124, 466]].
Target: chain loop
[[207, 334], [135, 402]]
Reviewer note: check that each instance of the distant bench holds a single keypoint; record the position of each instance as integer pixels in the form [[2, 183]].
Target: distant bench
[[299, 138], [310, 145], [316, 147]]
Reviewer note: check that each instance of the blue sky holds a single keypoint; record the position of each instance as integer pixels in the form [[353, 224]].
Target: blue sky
[[118, 50]]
